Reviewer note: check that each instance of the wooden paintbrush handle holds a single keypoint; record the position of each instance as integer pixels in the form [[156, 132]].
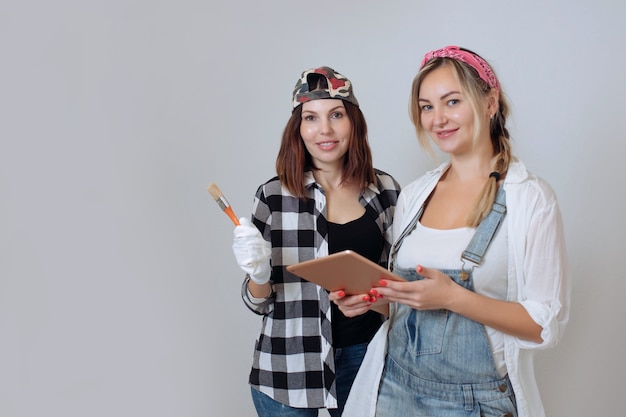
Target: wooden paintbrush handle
[[228, 210]]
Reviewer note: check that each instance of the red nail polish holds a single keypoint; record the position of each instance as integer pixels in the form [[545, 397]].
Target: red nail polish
[[366, 298], [341, 294], [373, 292], [382, 282], [420, 268]]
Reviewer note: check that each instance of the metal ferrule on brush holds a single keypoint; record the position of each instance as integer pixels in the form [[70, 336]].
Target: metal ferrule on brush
[[222, 202]]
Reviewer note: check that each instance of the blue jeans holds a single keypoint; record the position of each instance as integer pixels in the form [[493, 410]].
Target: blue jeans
[[347, 363]]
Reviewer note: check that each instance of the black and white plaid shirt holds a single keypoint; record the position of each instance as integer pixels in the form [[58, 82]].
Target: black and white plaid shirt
[[293, 358]]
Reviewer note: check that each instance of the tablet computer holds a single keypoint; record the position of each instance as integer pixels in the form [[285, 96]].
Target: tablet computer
[[346, 270]]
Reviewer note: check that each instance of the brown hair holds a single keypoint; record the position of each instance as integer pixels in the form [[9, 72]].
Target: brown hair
[[293, 159], [478, 93]]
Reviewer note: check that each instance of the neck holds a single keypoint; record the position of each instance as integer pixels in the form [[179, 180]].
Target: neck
[[474, 162], [329, 179], [469, 168]]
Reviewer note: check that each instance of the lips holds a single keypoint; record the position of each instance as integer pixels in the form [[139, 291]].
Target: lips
[[327, 144], [443, 134]]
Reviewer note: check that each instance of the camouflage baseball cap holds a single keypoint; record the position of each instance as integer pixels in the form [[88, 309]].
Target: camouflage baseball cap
[[337, 86]]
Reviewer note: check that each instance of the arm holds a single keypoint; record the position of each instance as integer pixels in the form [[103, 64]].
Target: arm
[[506, 316], [542, 270], [438, 291], [259, 290], [253, 252], [539, 312], [259, 305]]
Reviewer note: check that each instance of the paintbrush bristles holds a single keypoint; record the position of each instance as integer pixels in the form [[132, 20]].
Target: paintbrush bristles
[[221, 201], [214, 190]]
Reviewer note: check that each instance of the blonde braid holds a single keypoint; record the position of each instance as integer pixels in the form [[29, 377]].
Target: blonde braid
[[501, 142]]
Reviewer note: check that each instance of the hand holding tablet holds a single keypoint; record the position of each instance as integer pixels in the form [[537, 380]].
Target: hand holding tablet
[[346, 270]]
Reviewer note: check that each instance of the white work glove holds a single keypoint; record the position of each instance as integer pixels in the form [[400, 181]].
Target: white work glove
[[252, 251]]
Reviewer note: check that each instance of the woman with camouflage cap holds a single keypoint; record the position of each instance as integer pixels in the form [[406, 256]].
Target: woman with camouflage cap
[[326, 197]]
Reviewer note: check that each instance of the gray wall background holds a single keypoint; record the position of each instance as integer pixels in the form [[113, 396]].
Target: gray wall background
[[119, 294]]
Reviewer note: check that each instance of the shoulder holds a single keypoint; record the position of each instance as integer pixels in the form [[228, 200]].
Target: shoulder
[[428, 180], [270, 187], [526, 189], [386, 181], [272, 181]]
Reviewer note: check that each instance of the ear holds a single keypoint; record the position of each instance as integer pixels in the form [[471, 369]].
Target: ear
[[493, 102]]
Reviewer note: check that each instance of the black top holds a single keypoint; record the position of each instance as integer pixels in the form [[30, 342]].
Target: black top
[[364, 237]]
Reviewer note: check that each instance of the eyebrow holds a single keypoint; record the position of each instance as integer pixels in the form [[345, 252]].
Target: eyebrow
[[442, 97]]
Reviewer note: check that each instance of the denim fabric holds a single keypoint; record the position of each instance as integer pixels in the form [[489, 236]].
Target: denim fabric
[[347, 363], [268, 407], [403, 394], [477, 247], [439, 364]]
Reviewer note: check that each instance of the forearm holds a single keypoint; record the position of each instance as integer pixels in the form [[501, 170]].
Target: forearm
[[262, 305], [259, 291], [505, 316]]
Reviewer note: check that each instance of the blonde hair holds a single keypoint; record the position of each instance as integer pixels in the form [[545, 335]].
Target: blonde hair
[[478, 93]]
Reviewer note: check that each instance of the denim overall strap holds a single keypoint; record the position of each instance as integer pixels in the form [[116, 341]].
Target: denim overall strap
[[487, 228]]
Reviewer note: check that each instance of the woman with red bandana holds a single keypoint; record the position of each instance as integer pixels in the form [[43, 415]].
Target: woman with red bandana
[[480, 242]]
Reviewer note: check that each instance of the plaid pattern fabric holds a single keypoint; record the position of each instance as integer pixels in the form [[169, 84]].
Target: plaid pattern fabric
[[293, 359]]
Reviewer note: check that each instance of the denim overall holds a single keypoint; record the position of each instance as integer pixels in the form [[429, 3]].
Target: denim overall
[[439, 363]]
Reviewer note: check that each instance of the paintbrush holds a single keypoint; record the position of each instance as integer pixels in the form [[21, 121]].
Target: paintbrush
[[222, 202]]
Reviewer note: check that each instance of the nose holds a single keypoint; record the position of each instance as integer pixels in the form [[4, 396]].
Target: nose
[[326, 126], [440, 118]]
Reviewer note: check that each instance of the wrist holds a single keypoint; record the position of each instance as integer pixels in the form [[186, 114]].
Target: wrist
[[259, 290], [455, 298], [258, 281]]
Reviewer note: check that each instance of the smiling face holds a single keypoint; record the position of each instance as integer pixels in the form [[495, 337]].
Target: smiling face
[[446, 113], [326, 129]]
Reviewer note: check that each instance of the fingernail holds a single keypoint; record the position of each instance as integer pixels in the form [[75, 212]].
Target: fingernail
[[382, 282], [420, 268], [372, 299], [366, 298], [341, 294], [373, 292]]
